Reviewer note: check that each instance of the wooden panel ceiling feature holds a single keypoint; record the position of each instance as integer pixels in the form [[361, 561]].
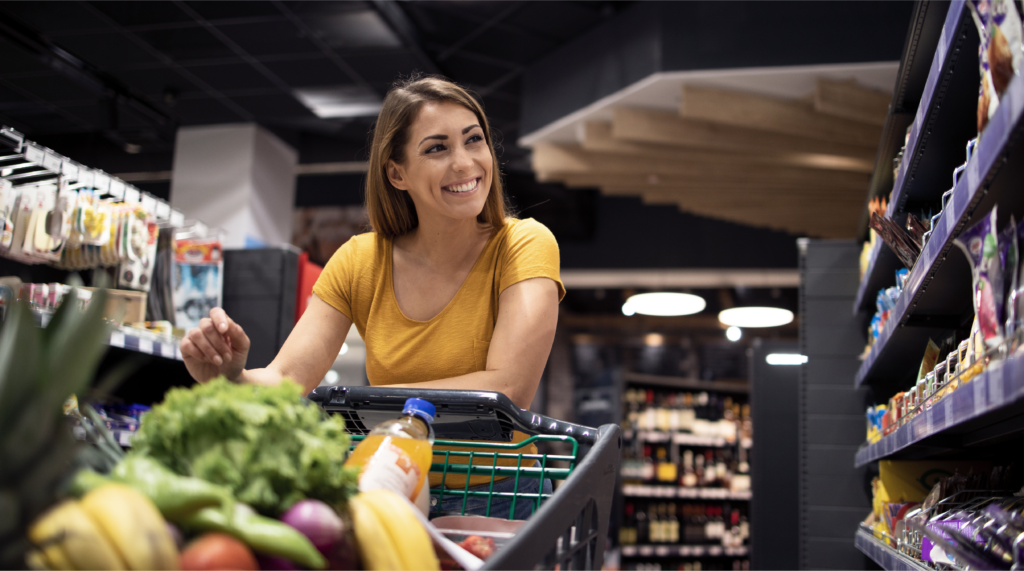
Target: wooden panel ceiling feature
[[786, 116], [799, 166]]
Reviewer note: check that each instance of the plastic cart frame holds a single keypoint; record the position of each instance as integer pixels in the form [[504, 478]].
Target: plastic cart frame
[[570, 529]]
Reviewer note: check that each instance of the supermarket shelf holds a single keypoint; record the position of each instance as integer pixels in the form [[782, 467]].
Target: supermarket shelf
[[143, 344], [937, 292], [943, 123], [683, 551], [645, 491], [885, 556], [683, 438], [721, 385]]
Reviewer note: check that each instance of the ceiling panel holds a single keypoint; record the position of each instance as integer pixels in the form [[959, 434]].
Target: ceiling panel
[[231, 76], [472, 71], [187, 43], [155, 81], [14, 60], [313, 72], [382, 70], [509, 46], [562, 20], [353, 30], [269, 38], [51, 17], [54, 88], [107, 51], [220, 9], [11, 97], [142, 13], [46, 120]]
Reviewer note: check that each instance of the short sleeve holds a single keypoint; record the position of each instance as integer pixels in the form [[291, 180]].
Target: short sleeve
[[530, 252], [335, 283]]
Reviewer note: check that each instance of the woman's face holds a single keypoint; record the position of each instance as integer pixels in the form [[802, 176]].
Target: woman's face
[[447, 168]]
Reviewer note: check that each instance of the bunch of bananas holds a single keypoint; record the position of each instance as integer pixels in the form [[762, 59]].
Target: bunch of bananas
[[111, 527], [389, 534]]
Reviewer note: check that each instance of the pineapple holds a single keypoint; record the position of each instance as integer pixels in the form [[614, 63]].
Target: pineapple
[[39, 368]]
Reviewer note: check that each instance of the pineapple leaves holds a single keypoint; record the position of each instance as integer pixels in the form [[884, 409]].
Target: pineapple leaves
[[20, 357]]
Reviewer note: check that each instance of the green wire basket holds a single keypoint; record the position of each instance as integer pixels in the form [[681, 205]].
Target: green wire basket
[[527, 466]]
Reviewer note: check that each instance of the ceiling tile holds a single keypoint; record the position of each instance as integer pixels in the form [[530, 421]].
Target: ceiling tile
[[155, 81], [269, 38], [204, 112], [107, 51], [270, 107], [348, 30], [509, 46], [88, 112], [9, 96], [142, 13], [45, 119], [54, 88], [222, 10], [231, 76], [47, 17], [564, 20], [382, 69], [309, 72], [472, 71], [188, 43], [14, 60]]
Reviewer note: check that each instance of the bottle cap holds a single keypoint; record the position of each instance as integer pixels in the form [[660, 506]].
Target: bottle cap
[[420, 408]]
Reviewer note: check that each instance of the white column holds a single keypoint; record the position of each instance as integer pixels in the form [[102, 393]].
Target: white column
[[239, 177]]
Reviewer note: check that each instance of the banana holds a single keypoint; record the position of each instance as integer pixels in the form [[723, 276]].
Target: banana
[[415, 548], [376, 548], [36, 561], [68, 539], [133, 523]]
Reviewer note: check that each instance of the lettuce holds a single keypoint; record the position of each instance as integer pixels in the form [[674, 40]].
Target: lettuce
[[269, 445]]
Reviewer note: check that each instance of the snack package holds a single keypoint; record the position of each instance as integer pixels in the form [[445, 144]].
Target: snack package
[[139, 251], [1009, 259], [8, 197], [931, 356], [999, 52], [980, 244]]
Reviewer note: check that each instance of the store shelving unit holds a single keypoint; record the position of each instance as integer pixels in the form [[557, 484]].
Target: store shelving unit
[[683, 551], [143, 344], [672, 492], [885, 556], [937, 176]]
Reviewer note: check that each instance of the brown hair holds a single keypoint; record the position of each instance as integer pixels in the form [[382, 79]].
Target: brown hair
[[391, 211]]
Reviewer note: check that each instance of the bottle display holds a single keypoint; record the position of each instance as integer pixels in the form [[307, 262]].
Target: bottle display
[[396, 455]]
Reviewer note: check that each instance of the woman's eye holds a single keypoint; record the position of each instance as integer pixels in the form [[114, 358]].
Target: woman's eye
[[474, 139], [434, 149]]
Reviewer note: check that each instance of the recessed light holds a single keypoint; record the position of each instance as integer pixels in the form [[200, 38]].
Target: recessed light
[[733, 333], [664, 304], [756, 316], [347, 101], [785, 359]]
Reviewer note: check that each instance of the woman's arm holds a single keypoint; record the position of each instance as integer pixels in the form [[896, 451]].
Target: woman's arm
[[527, 317], [309, 351]]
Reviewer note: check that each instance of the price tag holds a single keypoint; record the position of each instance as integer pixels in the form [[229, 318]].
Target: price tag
[[33, 155], [950, 215], [163, 210], [86, 177], [661, 551], [116, 339], [979, 383], [646, 550], [948, 407], [149, 204], [116, 189], [145, 345], [124, 438], [69, 170], [100, 182], [131, 195], [973, 174], [51, 162], [177, 218]]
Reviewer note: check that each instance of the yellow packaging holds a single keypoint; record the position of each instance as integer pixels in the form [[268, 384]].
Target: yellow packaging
[[910, 481]]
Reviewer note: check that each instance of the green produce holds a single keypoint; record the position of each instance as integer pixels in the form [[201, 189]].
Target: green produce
[[268, 445], [262, 534], [39, 368], [175, 496]]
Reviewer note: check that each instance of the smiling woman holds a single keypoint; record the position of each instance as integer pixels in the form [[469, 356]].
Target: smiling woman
[[449, 291]]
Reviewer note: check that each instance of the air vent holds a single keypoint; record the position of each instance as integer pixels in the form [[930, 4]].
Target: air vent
[[352, 423], [506, 426]]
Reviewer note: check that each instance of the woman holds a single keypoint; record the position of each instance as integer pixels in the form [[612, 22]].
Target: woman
[[448, 292]]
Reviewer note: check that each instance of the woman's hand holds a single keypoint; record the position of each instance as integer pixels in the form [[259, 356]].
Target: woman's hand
[[217, 347]]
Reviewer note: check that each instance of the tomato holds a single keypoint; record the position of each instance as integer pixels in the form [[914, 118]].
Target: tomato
[[217, 551]]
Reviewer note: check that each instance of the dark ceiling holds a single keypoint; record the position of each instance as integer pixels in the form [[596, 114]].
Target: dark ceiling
[[108, 82]]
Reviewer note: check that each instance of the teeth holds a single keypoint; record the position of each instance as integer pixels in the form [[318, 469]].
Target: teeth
[[462, 187]]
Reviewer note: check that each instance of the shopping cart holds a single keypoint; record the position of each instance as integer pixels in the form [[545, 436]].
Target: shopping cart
[[568, 528]]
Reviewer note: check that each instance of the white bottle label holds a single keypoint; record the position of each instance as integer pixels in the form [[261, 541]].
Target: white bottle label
[[390, 468]]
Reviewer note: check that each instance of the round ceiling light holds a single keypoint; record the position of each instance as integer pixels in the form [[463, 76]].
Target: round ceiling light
[[756, 316], [663, 304], [733, 333]]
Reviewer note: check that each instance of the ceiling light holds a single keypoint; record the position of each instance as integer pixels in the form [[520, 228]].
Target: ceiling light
[[663, 304], [344, 349], [348, 101], [331, 377], [785, 359], [756, 316], [653, 340], [733, 333]]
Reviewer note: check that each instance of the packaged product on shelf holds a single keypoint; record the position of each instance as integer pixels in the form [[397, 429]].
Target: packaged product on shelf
[[980, 244], [8, 198], [931, 356], [877, 205], [198, 280], [138, 250], [898, 239], [999, 52]]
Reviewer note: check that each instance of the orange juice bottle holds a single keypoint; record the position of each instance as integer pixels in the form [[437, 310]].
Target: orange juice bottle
[[397, 454]]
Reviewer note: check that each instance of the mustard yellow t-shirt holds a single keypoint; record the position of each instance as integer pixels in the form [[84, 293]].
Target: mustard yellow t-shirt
[[358, 282]]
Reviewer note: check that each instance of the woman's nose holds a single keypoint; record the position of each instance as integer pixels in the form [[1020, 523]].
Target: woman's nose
[[461, 160]]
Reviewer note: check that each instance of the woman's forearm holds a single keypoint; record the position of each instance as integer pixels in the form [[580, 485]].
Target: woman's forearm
[[519, 390], [267, 377]]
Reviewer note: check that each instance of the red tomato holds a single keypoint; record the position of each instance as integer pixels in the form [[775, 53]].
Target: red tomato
[[217, 551]]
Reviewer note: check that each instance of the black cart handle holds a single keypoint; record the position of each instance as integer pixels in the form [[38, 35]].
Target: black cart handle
[[461, 415]]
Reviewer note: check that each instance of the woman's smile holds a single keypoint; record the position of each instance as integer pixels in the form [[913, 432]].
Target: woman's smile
[[466, 187]]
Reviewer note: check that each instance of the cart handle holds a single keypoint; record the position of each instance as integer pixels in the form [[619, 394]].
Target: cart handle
[[452, 403]]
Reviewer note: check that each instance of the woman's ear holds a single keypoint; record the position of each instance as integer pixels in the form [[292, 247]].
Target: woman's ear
[[396, 175]]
